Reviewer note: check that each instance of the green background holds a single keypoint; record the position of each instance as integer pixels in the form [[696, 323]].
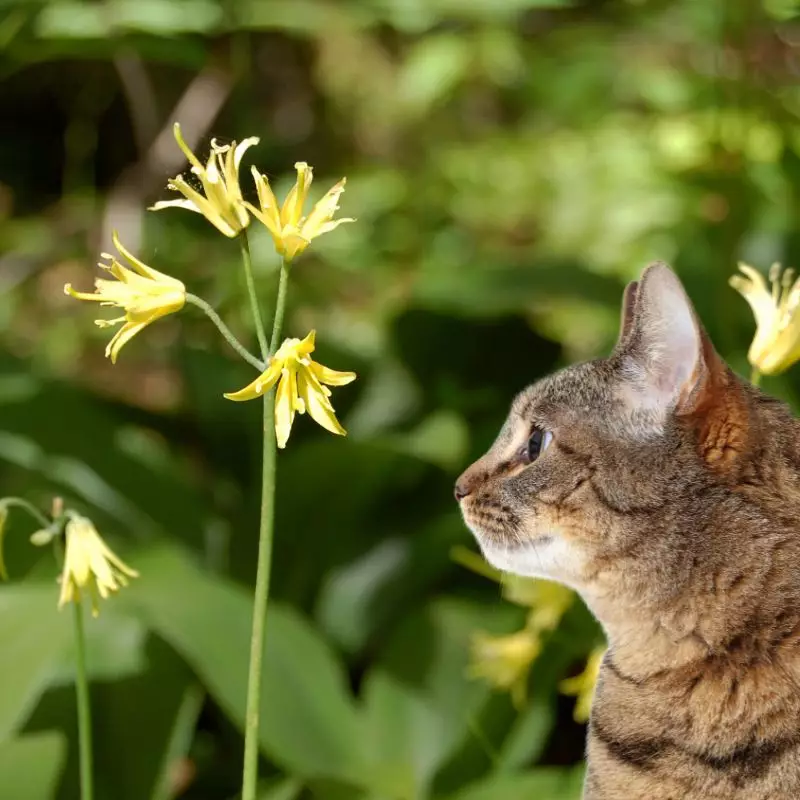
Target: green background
[[511, 163]]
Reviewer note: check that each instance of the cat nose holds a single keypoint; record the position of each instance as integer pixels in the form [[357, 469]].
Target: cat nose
[[466, 483], [461, 490]]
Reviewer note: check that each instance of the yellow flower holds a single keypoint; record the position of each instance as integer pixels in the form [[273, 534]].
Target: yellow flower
[[504, 661], [548, 601], [90, 565], [220, 202], [291, 231], [145, 294], [300, 387], [582, 686], [776, 345]]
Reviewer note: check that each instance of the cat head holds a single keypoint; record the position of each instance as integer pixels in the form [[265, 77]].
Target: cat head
[[602, 470]]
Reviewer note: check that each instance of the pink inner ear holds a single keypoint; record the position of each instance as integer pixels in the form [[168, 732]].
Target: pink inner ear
[[666, 341]]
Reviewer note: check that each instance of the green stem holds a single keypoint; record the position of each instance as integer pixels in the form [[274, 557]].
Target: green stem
[[225, 331], [84, 712], [244, 243], [18, 502], [250, 774], [755, 377]]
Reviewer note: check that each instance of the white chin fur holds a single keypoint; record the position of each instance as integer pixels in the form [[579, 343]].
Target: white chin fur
[[550, 558]]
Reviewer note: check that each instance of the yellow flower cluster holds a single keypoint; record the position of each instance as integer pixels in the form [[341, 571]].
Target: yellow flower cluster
[[90, 565], [582, 686], [505, 661], [301, 387], [145, 294], [776, 345]]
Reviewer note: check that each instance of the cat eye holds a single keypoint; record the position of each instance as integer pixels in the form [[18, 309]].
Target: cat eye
[[536, 445]]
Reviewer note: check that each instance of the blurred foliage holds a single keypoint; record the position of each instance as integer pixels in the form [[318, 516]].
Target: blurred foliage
[[511, 164]]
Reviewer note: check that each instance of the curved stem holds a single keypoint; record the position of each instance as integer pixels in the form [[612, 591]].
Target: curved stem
[[250, 774], [225, 331], [244, 243], [18, 502], [755, 377], [84, 711]]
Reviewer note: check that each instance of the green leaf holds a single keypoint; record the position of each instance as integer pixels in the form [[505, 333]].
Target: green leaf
[[309, 723], [35, 635], [30, 766], [407, 735], [543, 784], [429, 656]]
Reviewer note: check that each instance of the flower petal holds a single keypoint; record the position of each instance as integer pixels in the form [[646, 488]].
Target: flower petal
[[193, 160], [240, 149], [316, 402], [292, 211], [323, 211], [187, 204], [142, 268], [263, 383], [121, 338], [285, 405], [331, 376]]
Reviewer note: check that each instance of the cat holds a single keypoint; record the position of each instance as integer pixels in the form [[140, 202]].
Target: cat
[[666, 491]]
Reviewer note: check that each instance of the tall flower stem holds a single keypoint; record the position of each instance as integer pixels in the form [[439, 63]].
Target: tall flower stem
[[225, 331], [755, 377], [250, 773], [244, 243], [84, 709]]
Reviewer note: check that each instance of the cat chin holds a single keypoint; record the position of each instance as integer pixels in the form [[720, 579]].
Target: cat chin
[[549, 557]]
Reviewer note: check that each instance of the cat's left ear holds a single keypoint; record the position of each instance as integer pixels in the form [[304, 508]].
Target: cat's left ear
[[666, 358]]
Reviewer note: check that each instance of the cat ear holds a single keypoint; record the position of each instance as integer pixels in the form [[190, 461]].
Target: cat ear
[[662, 346]]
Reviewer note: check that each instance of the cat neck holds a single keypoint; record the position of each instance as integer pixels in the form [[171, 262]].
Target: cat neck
[[714, 612]]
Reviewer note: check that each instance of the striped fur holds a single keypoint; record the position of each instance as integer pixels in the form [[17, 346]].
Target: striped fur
[[670, 499]]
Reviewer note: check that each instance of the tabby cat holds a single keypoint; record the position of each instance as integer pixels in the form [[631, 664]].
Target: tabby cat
[[666, 491]]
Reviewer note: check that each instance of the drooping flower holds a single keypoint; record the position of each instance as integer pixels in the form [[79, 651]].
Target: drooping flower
[[301, 387], [290, 230], [504, 661], [144, 293], [548, 601], [582, 686], [221, 201], [776, 344], [90, 565]]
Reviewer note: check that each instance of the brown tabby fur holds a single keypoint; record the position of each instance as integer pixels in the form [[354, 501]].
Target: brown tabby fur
[[670, 499]]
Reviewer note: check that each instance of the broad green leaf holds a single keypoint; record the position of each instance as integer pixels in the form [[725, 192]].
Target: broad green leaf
[[360, 599], [30, 767], [35, 636], [407, 735], [283, 789], [429, 658], [309, 724], [542, 784], [134, 721]]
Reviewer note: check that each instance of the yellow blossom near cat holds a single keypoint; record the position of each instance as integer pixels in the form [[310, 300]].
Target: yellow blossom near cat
[[301, 387], [290, 230], [145, 293], [90, 565], [548, 600], [776, 345], [221, 201], [582, 686], [504, 661]]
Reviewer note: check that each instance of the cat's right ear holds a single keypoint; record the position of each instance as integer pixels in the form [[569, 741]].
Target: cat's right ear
[[663, 353]]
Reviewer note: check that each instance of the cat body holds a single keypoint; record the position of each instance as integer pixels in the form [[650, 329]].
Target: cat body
[[666, 491]]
